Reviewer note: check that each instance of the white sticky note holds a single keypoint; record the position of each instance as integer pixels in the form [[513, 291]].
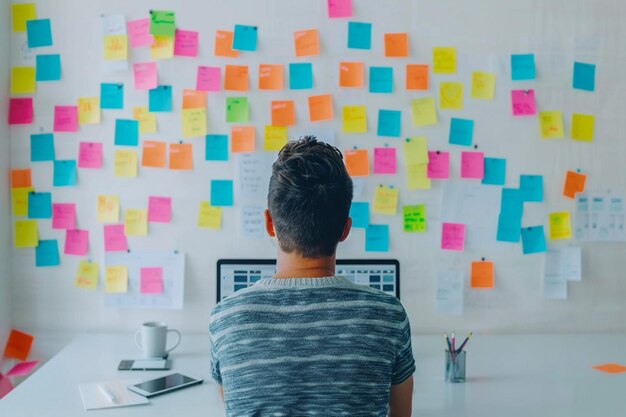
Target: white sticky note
[[554, 282], [449, 293]]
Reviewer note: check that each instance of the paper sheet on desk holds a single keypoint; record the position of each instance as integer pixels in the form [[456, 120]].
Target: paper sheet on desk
[[94, 399]]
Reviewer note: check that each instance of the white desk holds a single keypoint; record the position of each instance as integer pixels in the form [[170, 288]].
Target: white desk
[[511, 376]]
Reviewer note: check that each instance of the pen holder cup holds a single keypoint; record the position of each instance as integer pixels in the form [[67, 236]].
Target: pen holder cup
[[455, 367]]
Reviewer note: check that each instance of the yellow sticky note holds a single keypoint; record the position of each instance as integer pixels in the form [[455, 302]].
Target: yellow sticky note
[[551, 124], [21, 13], [26, 234], [582, 127], [22, 80], [108, 209], [423, 111], [147, 120], [451, 95], [415, 150], [560, 225], [88, 110], [116, 279], [444, 60], [275, 138], [483, 85], [125, 163], [136, 222], [19, 200], [209, 217], [115, 47], [193, 122], [354, 119], [162, 47], [386, 200], [417, 177], [86, 275]]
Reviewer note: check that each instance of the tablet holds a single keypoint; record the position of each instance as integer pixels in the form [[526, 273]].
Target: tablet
[[163, 385]]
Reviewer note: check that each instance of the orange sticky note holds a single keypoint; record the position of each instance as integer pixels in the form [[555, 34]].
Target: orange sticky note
[[307, 42], [283, 113], [270, 77], [357, 162], [236, 78], [224, 44], [153, 154], [610, 368], [181, 156], [193, 99], [242, 139], [396, 45], [20, 178], [574, 183], [351, 74], [18, 345], [417, 77], [320, 107], [482, 275]]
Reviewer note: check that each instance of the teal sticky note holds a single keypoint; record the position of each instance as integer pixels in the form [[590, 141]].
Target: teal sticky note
[[221, 193], [126, 132], [111, 96], [377, 238], [39, 205], [584, 76], [359, 35], [41, 147], [244, 38], [389, 122], [300, 76], [510, 218], [531, 187], [216, 148], [533, 240], [522, 67], [160, 99], [381, 79], [47, 253], [461, 132], [360, 214], [495, 171], [38, 33], [64, 173], [237, 110], [48, 67]]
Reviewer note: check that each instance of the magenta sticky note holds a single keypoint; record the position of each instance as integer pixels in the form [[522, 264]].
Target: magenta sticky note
[[90, 155], [523, 102], [438, 165], [22, 368], [452, 236], [339, 8], [151, 281], [139, 33], [20, 111], [209, 78], [76, 242], [5, 386], [115, 238], [145, 75], [65, 118], [472, 165], [64, 216], [384, 160], [159, 209], [186, 43]]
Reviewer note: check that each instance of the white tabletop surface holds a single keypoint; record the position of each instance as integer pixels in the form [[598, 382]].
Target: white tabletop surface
[[511, 376]]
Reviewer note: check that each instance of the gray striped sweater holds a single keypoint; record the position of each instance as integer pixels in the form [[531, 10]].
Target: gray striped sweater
[[309, 347]]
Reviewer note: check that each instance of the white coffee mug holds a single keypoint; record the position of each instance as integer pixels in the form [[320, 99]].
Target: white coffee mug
[[151, 339]]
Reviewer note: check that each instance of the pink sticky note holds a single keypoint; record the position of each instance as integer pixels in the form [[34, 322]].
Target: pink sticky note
[[90, 155], [139, 33], [209, 78], [22, 368], [453, 236], [64, 216], [472, 165], [76, 242], [5, 386], [65, 118], [339, 8], [159, 209], [384, 160], [145, 75], [20, 111], [523, 102], [151, 281], [114, 238], [186, 43], [438, 165]]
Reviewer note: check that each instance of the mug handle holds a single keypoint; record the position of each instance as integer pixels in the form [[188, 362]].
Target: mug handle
[[177, 342], [137, 339]]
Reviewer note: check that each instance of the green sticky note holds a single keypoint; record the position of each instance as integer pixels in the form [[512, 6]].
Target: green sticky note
[[162, 23], [237, 110], [414, 218]]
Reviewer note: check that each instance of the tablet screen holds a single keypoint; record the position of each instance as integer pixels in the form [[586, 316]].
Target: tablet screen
[[164, 383]]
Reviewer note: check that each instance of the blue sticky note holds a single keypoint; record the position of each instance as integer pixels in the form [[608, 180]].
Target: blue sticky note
[[221, 193], [389, 122], [39, 205], [41, 147], [160, 99], [531, 187], [48, 67], [584, 76], [64, 173], [360, 214], [381, 79], [126, 132], [359, 35], [510, 218], [300, 76], [461, 132], [216, 148], [495, 171], [47, 253], [111, 96], [38, 33], [377, 238], [533, 240], [244, 38], [523, 67]]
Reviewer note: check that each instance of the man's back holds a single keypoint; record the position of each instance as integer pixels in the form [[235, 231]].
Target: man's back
[[306, 346]]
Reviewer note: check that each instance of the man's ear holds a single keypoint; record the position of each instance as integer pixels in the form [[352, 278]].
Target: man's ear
[[346, 229], [269, 224]]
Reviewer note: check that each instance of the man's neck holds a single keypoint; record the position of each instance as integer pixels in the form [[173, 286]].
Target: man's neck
[[293, 265]]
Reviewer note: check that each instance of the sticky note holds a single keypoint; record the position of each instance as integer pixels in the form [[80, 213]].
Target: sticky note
[[381, 80], [416, 77], [22, 368], [270, 77], [533, 240], [389, 122], [582, 127], [384, 160], [452, 236], [63, 216], [221, 193], [162, 23], [147, 120], [113, 24], [64, 173], [48, 67], [417, 177], [236, 78], [523, 102], [359, 35], [145, 74], [139, 33], [461, 132], [472, 165], [357, 163], [237, 110], [193, 99], [560, 226], [415, 150], [216, 148], [209, 217], [126, 132], [65, 118], [159, 209], [414, 218], [76, 242], [531, 187], [321, 108], [18, 345], [584, 76], [185, 43], [351, 74], [151, 280], [610, 368], [26, 235], [193, 122], [274, 138], [574, 183], [451, 96], [224, 43], [160, 99], [22, 80], [208, 78], [39, 205], [522, 67], [125, 163], [242, 139], [438, 165], [396, 45], [483, 85], [449, 292], [162, 47], [38, 33], [153, 154], [41, 147], [47, 253], [20, 111], [354, 119], [20, 178], [115, 47], [86, 275], [386, 200], [19, 201], [377, 238], [300, 76], [181, 156], [111, 96], [360, 214], [115, 238], [245, 38], [88, 110], [306, 42], [551, 124], [21, 13], [510, 218], [444, 60], [339, 8], [135, 222], [481, 275], [283, 113], [116, 279], [495, 171]]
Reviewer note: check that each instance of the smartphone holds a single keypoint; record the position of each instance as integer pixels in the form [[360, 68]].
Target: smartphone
[[163, 385], [156, 364]]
